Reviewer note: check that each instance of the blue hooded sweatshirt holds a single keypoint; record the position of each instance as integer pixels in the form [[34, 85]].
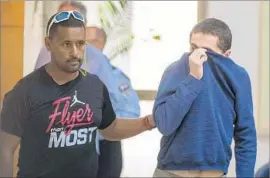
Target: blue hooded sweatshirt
[[199, 118]]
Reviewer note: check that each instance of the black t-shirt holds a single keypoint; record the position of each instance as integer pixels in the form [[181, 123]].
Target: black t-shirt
[[57, 124]]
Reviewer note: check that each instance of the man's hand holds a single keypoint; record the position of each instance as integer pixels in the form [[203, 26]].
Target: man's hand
[[196, 60], [149, 122], [125, 128]]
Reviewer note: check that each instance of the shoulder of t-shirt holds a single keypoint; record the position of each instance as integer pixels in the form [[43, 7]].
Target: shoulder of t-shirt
[[94, 78], [26, 83]]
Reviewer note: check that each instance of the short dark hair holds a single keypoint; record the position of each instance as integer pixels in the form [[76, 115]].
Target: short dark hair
[[215, 27], [71, 22], [80, 6]]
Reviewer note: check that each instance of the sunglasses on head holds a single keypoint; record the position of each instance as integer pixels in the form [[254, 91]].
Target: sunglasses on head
[[63, 16]]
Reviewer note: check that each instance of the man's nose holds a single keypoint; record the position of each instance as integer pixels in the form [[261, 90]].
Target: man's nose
[[74, 51]]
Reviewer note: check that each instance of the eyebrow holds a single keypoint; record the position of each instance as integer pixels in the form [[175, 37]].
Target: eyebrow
[[194, 45]]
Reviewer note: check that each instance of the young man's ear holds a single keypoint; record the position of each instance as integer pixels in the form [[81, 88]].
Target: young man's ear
[[228, 53], [47, 42]]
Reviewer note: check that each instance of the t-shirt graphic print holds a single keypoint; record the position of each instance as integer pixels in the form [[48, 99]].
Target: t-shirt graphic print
[[62, 123]]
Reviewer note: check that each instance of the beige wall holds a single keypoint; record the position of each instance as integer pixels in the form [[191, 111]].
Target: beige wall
[[264, 69], [33, 33], [35, 24]]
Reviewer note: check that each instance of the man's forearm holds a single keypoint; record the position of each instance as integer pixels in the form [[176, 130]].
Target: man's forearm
[[6, 164], [7, 150], [245, 151], [125, 128], [172, 105], [245, 135]]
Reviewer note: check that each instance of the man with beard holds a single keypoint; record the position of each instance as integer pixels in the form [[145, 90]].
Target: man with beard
[[124, 98], [54, 112]]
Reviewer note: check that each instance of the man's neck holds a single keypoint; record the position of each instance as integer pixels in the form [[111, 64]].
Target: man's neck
[[59, 76]]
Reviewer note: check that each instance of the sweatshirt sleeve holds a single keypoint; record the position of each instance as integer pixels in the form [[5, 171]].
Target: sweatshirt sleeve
[[176, 93], [245, 132]]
